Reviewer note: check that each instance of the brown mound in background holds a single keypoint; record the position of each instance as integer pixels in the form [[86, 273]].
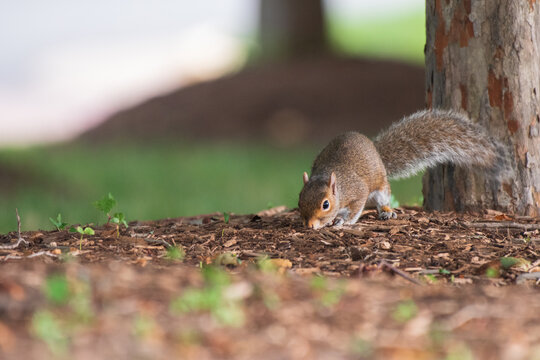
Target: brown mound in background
[[288, 103]]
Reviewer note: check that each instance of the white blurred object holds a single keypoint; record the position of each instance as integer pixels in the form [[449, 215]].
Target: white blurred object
[[66, 65], [60, 76]]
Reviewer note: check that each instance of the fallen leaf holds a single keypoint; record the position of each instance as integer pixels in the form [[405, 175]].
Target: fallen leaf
[[503, 217], [141, 261], [230, 243], [281, 263]]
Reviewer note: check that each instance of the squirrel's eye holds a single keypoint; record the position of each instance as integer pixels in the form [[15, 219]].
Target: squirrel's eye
[[326, 205]]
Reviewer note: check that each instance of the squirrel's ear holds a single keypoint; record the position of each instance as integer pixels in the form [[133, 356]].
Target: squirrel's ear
[[306, 178], [332, 183]]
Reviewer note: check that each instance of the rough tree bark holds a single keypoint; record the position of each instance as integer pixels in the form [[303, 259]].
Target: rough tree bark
[[483, 58], [290, 29]]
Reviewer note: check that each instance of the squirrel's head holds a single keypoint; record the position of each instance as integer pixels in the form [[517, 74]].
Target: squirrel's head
[[317, 201]]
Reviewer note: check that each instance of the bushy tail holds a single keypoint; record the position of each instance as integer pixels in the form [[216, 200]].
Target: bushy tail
[[431, 137]]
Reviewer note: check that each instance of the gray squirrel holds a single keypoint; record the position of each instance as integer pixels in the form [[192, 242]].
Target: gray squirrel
[[352, 170]]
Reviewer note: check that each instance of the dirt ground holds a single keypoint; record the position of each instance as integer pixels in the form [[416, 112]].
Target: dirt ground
[[423, 286]]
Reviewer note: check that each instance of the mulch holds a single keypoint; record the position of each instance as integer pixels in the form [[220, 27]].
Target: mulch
[[423, 286]]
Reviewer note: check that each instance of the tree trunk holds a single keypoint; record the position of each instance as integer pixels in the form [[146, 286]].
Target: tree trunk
[[291, 28], [483, 58]]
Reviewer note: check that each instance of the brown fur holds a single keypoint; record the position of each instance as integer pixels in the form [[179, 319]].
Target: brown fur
[[360, 166]]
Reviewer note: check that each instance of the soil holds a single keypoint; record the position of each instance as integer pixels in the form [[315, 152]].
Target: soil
[[302, 101], [423, 286]]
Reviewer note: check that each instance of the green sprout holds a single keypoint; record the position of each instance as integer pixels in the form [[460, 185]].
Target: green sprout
[[405, 311], [119, 219], [105, 205], [71, 302], [492, 272], [226, 217], [56, 289], [58, 223], [212, 298], [46, 327], [175, 253], [83, 231], [328, 293], [443, 271]]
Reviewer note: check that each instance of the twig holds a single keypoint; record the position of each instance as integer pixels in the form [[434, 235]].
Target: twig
[[19, 237], [158, 241], [498, 225], [383, 264], [41, 253]]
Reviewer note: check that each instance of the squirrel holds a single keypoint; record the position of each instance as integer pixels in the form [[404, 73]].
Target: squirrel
[[353, 170]]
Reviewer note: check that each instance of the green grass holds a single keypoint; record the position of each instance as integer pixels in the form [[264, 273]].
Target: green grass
[[396, 37], [155, 181]]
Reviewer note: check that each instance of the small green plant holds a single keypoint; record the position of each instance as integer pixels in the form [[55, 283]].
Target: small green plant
[[492, 272], [405, 311], [105, 205], [71, 302], [226, 217], [225, 310], [443, 271], [83, 231], [143, 326], [56, 289], [329, 294], [361, 347], [58, 223], [119, 219], [430, 278], [46, 327], [175, 253], [264, 264]]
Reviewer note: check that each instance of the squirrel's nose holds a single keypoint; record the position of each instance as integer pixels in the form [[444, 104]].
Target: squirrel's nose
[[313, 224]]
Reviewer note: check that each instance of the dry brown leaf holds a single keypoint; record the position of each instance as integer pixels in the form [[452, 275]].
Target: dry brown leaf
[[503, 217], [284, 263], [230, 243], [141, 261], [281, 264]]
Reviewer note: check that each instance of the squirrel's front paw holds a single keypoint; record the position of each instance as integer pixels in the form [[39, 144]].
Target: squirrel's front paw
[[338, 222], [387, 215]]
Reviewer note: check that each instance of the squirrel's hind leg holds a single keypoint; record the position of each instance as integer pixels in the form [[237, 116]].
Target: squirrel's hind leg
[[381, 198]]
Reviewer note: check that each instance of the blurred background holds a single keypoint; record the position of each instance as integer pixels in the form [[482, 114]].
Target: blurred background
[[185, 107]]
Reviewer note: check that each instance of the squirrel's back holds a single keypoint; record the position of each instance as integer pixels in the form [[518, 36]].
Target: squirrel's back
[[430, 137]]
